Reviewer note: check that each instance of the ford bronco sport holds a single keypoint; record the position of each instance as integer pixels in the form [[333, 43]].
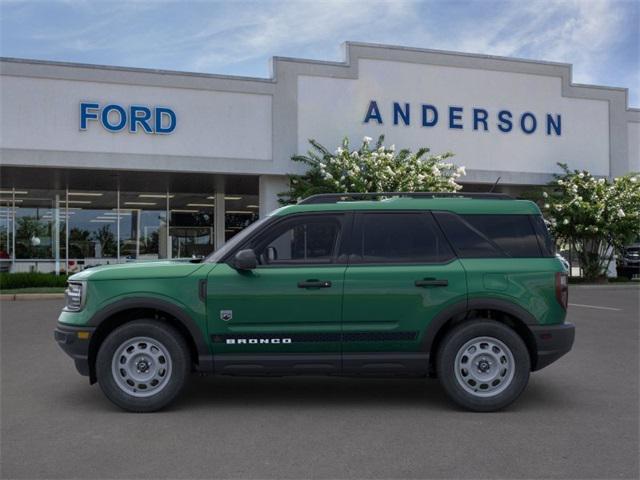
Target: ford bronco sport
[[465, 287]]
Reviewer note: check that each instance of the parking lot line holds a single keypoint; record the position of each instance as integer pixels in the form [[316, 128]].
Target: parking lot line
[[594, 306]]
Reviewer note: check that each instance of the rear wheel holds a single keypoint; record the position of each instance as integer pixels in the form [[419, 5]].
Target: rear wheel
[[143, 365], [483, 365]]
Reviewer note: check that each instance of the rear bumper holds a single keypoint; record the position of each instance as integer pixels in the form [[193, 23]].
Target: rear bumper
[[552, 342], [74, 346]]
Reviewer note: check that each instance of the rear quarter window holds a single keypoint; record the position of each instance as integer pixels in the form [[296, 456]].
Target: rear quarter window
[[512, 233], [547, 245], [491, 236]]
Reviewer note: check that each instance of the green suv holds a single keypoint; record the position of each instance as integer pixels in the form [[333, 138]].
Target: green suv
[[465, 287]]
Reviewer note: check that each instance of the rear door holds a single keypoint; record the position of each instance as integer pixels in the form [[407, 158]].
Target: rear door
[[402, 272]]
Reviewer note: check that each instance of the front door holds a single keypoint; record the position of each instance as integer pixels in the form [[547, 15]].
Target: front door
[[401, 274], [285, 315]]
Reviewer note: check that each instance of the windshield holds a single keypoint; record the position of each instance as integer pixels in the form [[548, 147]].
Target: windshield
[[216, 256]]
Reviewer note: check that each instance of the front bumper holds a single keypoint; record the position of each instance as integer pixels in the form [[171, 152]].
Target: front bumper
[[552, 342], [628, 269], [75, 343]]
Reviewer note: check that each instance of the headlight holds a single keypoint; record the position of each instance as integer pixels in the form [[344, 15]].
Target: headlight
[[74, 296]]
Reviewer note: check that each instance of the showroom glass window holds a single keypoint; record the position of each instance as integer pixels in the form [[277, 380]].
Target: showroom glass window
[[69, 230], [40, 226], [240, 212], [144, 230], [6, 228], [192, 227], [92, 229]]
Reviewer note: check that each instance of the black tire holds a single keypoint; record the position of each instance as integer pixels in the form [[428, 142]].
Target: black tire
[[175, 348], [457, 386]]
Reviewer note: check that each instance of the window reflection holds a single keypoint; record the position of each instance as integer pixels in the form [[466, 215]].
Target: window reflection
[[145, 225], [69, 230], [92, 228], [192, 225], [40, 224], [240, 212], [6, 230]]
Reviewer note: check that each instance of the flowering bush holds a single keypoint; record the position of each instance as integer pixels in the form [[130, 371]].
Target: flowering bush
[[595, 216], [371, 169]]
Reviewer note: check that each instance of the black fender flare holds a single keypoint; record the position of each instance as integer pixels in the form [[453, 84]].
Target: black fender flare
[[465, 306], [205, 361]]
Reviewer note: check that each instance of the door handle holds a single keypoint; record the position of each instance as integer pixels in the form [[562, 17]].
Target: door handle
[[314, 284], [431, 282]]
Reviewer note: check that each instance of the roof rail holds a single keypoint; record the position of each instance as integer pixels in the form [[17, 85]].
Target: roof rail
[[351, 196]]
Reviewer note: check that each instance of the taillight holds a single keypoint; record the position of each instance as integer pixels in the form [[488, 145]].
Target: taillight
[[562, 289]]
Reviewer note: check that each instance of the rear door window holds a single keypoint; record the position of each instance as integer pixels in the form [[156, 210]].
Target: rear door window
[[399, 238]]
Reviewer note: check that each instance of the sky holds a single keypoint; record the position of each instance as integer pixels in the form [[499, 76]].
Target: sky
[[600, 38]]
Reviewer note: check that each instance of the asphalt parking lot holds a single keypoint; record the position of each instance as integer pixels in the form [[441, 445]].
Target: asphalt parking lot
[[578, 418]]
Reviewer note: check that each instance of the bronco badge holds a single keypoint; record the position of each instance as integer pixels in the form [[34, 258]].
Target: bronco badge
[[226, 315]]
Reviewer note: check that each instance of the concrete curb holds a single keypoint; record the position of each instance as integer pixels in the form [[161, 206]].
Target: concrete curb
[[630, 285], [31, 296]]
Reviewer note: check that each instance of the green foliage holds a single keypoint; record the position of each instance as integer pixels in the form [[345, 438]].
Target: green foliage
[[30, 280], [28, 228], [107, 240], [371, 169], [596, 217]]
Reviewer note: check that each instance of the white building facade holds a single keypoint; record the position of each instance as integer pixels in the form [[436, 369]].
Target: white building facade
[[107, 164]]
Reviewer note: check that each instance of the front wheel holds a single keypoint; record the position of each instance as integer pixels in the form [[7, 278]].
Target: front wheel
[[483, 365], [143, 365]]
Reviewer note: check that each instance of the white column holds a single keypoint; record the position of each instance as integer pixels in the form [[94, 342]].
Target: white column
[[270, 186], [56, 235]]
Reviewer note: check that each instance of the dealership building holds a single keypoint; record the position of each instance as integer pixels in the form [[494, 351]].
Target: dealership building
[[106, 164]]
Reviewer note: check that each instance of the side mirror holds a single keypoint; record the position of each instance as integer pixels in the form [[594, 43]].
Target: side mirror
[[272, 254], [245, 260]]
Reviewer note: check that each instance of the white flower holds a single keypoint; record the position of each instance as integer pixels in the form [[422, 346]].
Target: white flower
[[392, 148], [367, 140], [621, 213], [545, 195], [581, 175], [560, 182], [339, 151], [546, 205], [633, 179], [565, 221], [461, 170]]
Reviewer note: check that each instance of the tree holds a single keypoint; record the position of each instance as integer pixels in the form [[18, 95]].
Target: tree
[[107, 240], [371, 169], [29, 232], [595, 216]]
